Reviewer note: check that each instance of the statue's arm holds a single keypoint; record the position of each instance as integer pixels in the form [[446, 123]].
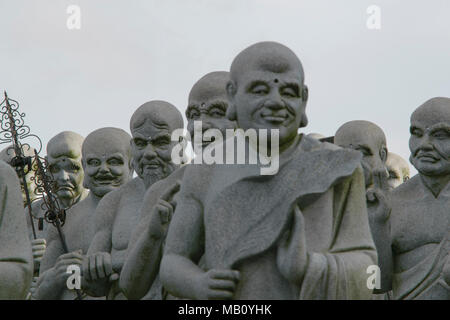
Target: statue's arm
[[143, 259], [16, 265], [184, 247], [101, 245], [48, 286], [146, 244]]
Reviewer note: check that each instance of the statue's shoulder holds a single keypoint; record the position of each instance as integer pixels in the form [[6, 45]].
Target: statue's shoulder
[[7, 173], [407, 190], [326, 150]]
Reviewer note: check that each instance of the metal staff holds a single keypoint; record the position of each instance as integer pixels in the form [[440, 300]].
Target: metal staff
[[13, 128], [54, 214]]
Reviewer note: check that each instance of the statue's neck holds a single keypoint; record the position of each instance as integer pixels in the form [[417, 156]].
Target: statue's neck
[[435, 183]]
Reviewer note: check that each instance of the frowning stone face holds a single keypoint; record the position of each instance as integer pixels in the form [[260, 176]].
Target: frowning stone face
[[398, 169], [106, 160], [151, 127], [429, 142], [64, 162]]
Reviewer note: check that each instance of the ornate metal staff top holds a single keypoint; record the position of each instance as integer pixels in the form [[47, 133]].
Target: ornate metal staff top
[[14, 131]]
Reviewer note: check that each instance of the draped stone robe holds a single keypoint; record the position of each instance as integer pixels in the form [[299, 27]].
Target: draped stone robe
[[16, 264], [244, 216], [420, 224]]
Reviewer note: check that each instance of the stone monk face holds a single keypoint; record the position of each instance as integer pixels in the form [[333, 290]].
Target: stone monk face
[[429, 142], [151, 128], [369, 139], [64, 162], [106, 160], [208, 103], [398, 170], [266, 90]]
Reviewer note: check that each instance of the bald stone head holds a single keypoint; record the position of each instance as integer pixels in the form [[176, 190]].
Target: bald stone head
[[370, 140], [7, 155], [398, 169], [106, 159], [208, 103], [151, 128], [267, 91], [316, 136], [429, 142], [64, 162]]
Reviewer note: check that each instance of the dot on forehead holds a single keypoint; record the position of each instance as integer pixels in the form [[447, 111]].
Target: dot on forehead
[[107, 140], [66, 143], [433, 111], [266, 56], [159, 113], [213, 85]]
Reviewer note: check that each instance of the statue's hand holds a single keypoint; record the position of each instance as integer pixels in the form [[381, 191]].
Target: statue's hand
[[217, 284], [60, 273], [292, 257], [162, 212], [446, 270], [97, 266], [38, 247], [378, 207]]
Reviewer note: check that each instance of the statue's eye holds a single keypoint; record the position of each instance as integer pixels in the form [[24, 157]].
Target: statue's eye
[[93, 162], [161, 142], [289, 92], [194, 114], [74, 168], [260, 89], [54, 169], [216, 112], [140, 143], [441, 134], [364, 150], [115, 162], [416, 132], [393, 175]]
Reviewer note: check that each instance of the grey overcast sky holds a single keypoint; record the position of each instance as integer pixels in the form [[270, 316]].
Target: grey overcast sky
[[130, 52]]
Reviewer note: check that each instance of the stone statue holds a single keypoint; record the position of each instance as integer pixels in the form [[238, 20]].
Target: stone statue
[[207, 103], [106, 160], [301, 233], [16, 264], [370, 140], [119, 211], [64, 162], [398, 169], [420, 216], [38, 245], [316, 136]]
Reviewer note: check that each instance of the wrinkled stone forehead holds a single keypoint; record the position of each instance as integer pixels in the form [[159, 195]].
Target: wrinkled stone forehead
[[266, 56], [107, 140], [159, 113], [209, 87], [359, 132], [433, 111], [66, 143]]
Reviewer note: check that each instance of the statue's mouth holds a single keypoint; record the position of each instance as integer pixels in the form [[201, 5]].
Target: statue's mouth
[[427, 157], [275, 117]]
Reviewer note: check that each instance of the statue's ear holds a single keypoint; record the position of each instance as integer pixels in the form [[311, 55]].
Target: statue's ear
[[305, 93], [231, 92]]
